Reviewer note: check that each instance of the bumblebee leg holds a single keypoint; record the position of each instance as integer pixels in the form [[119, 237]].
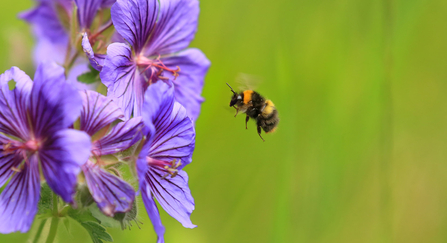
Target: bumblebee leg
[[246, 120], [259, 132], [237, 111]]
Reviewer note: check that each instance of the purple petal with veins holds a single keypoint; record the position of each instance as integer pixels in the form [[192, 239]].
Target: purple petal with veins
[[134, 20], [122, 136], [168, 148], [61, 157], [18, 202], [175, 136], [175, 28], [87, 10], [124, 82], [8, 160], [97, 112], [55, 104], [173, 194], [152, 210], [13, 104], [189, 84], [111, 193]]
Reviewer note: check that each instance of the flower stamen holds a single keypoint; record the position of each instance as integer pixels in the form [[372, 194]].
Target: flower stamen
[[158, 67], [172, 169]]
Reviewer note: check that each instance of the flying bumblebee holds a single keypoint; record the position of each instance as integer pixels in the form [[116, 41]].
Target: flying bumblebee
[[256, 107]]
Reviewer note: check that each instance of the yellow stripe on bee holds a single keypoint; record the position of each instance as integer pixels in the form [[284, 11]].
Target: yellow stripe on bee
[[247, 96], [269, 106]]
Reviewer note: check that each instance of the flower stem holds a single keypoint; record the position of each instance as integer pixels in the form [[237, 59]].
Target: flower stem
[[39, 231], [54, 221]]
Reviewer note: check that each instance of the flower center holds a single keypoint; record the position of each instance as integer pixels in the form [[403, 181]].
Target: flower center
[[169, 167], [157, 68], [30, 146], [22, 149]]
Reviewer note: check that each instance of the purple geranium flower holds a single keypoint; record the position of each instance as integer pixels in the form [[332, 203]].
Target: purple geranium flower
[[111, 193], [51, 31], [50, 20], [168, 148], [34, 135], [158, 31]]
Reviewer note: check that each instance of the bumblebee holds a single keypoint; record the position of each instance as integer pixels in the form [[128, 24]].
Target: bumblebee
[[256, 107]]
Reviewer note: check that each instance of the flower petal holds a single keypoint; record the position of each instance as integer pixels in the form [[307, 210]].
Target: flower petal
[[97, 112], [23, 81], [135, 20], [48, 51], [96, 60], [54, 104], [152, 211], [122, 136], [123, 80], [111, 193], [176, 27], [8, 160], [61, 158], [158, 102], [86, 12], [18, 202], [13, 104], [107, 3], [174, 136], [45, 22], [173, 194], [189, 84]]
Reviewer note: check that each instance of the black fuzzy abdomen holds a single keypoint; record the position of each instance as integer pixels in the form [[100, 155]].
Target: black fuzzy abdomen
[[268, 122]]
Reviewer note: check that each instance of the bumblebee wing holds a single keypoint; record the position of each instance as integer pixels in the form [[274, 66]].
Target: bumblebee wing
[[248, 81]]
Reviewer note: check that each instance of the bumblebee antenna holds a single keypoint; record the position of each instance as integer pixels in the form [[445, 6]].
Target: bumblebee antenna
[[231, 88]]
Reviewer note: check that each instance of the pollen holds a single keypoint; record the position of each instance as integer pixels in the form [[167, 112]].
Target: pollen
[[172, 168]]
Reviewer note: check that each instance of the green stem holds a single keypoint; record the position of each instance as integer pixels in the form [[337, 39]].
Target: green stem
[[39, 231], [54, 221], [71, 61]]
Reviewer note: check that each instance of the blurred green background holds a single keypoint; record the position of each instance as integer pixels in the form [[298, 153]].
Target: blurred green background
[[360, 153]]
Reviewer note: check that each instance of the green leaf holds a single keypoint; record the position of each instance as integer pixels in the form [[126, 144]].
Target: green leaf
[[45, 204], [67, 224], [97, 232], [89, 77], [81, 215]]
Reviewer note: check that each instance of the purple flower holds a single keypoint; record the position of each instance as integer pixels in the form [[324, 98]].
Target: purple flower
[[159, 32], [34, 135], [87, 10], [111, 193], [50, 20], [51, 33], [168, 148]]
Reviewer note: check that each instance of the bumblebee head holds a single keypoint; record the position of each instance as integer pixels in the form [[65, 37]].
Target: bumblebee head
[[235, 98]]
